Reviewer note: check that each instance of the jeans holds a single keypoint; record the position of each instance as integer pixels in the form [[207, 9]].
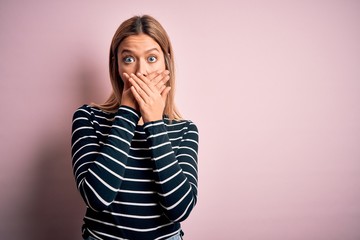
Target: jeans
[[176, 237]]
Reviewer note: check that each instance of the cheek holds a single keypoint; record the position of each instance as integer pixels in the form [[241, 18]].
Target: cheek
[[126, 69], [160, 66], [123, 69]]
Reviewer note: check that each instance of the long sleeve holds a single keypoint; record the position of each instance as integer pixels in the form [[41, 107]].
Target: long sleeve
[[99, 166], [175, 169]]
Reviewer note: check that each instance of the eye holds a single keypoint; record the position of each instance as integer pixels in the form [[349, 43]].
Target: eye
[[152, 59], [128, 59]]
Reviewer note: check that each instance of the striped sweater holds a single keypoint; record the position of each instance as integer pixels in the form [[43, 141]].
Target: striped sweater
[[137, 181]]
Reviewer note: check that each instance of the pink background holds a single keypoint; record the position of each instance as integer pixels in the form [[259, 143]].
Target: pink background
[[274, 87]]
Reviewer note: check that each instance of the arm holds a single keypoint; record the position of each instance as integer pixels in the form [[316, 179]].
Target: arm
[[99, 169], [176, 176]]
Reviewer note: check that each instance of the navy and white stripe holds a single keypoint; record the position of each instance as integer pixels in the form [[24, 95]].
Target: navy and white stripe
[[138, 182]]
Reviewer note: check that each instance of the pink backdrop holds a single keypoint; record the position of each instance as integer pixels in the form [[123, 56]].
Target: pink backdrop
[[274, 87]]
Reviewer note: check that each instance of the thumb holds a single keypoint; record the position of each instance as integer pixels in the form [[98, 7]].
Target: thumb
[[165, 93]]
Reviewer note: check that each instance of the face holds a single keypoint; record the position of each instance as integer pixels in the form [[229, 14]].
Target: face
[[140, 54]]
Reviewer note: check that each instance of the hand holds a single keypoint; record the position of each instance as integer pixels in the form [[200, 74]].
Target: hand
[[158, 78], [150, 94], [127, 98]]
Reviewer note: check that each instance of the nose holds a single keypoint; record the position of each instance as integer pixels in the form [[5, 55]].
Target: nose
[[142, 67]]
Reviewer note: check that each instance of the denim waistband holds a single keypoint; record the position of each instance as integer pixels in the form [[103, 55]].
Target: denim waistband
[[175, 237]]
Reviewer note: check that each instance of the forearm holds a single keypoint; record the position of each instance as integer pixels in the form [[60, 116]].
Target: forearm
[[175, 175], [99, 167]]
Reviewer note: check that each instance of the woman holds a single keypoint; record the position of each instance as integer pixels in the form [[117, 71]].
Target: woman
[[134, 158]]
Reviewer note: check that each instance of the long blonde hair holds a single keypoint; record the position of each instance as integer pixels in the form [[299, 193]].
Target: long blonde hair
[[133, 26]]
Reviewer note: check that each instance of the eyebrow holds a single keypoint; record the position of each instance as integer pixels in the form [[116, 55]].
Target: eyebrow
[[147, 51]]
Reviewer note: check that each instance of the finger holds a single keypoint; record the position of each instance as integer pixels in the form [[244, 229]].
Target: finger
[[162, 82], [136, 95], [157, 79], [126, 81], [160, 77], [140, 92], [125, 75], [154, 74], [162, 88], [165, 93], [144, 78], [140, 84]]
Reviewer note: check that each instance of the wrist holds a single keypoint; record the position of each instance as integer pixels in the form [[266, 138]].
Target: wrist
[[130, 104], [148, 119]]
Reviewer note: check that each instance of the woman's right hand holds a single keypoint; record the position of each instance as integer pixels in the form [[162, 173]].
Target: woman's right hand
[[157, 79], [127, 98]]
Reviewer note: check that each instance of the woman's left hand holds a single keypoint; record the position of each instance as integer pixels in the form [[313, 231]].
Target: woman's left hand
[[150, 97]]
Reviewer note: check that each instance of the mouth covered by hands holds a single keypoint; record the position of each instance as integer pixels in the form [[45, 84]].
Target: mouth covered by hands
[[147, 94]]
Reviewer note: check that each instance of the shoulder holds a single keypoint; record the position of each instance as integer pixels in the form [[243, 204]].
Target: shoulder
[[89, 112], [186, 131], [83, 110], [186, 125]]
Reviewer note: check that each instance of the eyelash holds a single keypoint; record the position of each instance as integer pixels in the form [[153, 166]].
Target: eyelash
[[132, 59], [127, 57], [152, 57]]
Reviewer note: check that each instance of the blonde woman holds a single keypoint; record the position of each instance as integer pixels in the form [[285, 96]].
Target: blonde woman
[[134, 158]]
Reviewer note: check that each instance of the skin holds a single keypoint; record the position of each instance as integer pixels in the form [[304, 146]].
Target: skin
[[141, 64]]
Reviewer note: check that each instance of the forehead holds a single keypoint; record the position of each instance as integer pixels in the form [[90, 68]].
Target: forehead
[[138, 43]]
